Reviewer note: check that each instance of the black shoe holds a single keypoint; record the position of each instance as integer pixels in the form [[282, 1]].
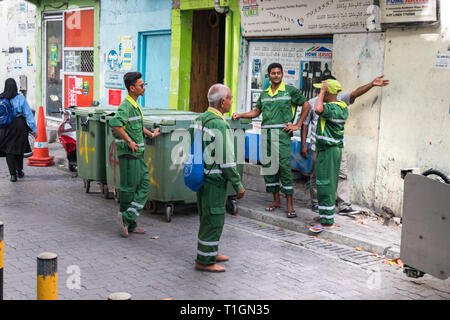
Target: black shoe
[[20, 174], [13, 178], [348, 211]]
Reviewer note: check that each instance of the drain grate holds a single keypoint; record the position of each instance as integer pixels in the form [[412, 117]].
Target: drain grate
[[330, 248], [341, 251]]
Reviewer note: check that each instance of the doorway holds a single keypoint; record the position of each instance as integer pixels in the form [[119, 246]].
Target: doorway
[[207, 56], [53, 98], [155, 53]]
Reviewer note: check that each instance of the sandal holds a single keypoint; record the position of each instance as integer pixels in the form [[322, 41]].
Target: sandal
[[291, 214], [320, 228]]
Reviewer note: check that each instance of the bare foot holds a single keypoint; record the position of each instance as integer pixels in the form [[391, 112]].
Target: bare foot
[[273, 206], [139, 231], [209, 267], [221, 258]]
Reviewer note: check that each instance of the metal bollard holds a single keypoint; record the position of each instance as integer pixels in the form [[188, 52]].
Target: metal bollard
[[1, 260], [47, 276], [119, 296]]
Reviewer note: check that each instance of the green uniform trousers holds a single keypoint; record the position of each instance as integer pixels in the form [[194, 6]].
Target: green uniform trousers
[[327, 176], [134, 189], [282, 179], [211, 200]]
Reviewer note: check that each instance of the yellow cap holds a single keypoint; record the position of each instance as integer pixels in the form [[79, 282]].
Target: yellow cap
[[334, 87]]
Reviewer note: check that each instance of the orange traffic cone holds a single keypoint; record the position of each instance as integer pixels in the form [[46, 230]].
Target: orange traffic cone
[[41, 157]]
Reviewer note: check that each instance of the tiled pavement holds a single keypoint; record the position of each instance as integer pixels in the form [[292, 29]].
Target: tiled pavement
[[49, 211]]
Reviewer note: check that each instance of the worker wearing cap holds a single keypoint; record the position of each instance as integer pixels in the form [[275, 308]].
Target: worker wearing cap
[[128, 128], [276, 105], [329, 144]]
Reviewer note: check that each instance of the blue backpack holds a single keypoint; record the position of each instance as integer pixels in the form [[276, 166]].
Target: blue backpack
[[194, 167], [6, 113]]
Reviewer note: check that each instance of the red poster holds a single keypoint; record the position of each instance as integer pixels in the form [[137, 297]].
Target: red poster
[[71, 92], [115, 97], [79, 91]]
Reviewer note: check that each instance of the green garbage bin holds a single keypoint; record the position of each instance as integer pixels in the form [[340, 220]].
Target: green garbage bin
[[91, 144], [111, 190], [166, 177]]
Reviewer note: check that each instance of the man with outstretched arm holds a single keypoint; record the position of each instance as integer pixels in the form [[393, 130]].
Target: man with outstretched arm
[[343, 193]]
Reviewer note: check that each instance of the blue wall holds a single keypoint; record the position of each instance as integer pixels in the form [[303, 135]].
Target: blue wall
[[133, 18]]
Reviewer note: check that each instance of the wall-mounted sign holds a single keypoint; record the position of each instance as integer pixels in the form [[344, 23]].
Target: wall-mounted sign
[[408, 11], [78, 91], [298, 17], [115, 97], [125, 50], [304, 63], [29, 56], [114, 80], [442, 61]]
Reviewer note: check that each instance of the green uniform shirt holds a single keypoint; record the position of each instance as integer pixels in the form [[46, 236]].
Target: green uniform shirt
[[222, 170], [279, 107], [129, 116], [330, 128]]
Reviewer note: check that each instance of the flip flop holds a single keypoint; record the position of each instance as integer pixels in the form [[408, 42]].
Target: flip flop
[[291, 214], [319, 228], [123, 230]]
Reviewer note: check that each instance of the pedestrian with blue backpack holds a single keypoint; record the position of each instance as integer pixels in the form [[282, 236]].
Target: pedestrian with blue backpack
[[16, 122], [219, 169]]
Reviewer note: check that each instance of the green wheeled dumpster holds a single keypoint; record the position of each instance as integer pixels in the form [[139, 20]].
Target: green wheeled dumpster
[[91, 145], [166, 166]]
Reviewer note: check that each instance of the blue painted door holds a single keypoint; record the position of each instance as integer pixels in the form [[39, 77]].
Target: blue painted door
[[156, 67]]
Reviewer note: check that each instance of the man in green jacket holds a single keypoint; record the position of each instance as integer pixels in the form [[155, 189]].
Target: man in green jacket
[[329, 144], [128, 127], [277, 105], [220, 168]]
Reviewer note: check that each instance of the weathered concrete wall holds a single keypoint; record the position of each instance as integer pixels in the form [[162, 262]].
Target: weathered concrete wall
[[128, 18], [357, 60], [17, 25], [415, 118]]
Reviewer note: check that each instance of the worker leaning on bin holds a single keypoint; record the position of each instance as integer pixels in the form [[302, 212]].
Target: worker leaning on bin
[[219, 170], [129, 131]]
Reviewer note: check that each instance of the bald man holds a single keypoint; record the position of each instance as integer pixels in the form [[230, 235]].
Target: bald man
[[219, 170]]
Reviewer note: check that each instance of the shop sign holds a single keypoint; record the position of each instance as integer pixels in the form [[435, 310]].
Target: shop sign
[[408, 11], [298, 17]]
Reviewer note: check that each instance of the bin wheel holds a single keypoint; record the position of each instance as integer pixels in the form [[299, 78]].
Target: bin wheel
[[232, 206], [151, 206], [116, 195], [169, 212], [412, 272], [106, 192], [87, 185]]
